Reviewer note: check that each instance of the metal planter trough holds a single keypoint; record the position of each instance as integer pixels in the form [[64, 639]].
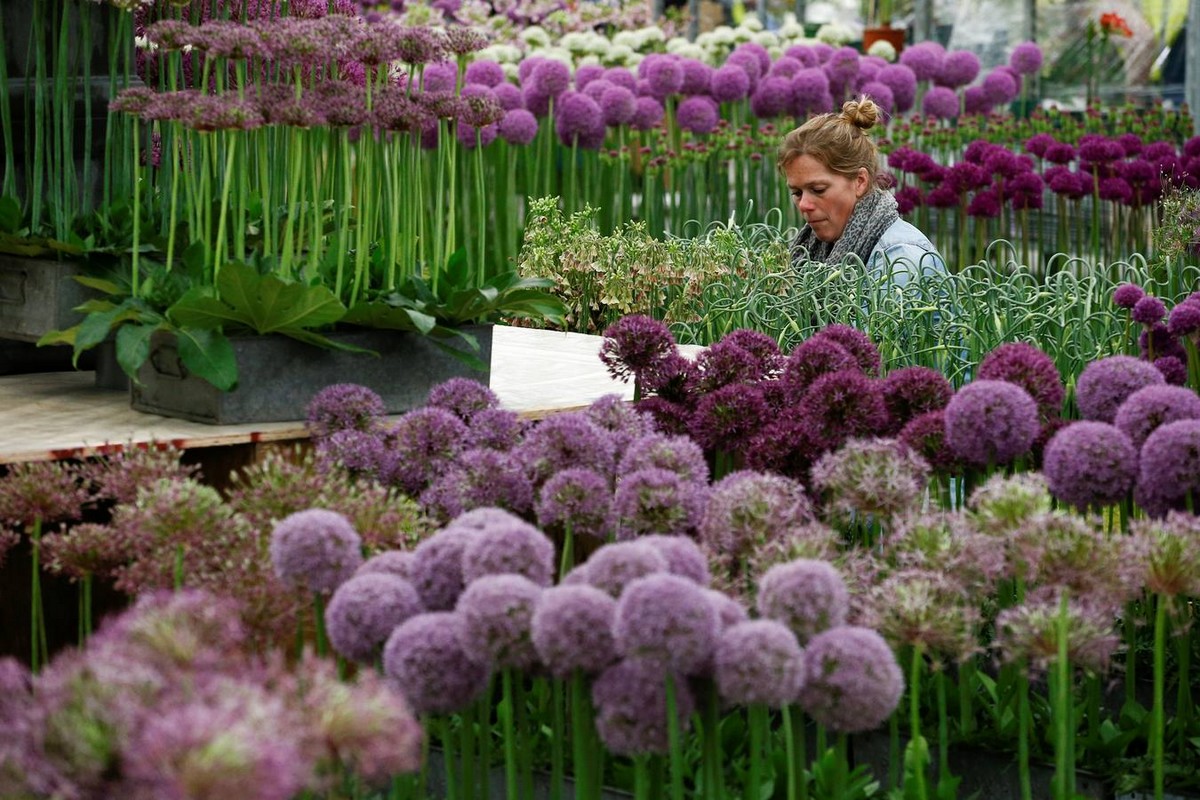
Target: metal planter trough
[[38, 296], [278, 376]]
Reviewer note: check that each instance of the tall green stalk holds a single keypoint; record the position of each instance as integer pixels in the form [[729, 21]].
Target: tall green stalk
[[39, 653], [1157, 713]]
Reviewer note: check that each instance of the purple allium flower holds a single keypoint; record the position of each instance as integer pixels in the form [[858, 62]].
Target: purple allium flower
[[439, 76], [495, 429], [925, 434], [698, 114], [1117, 190], [908, 199], [680, 454], [578, 119], [577, 498], [624, 422], [802, 53], [911, 391], [551, 77], [684, 557], [759, 663], [810, 87], [1173, 370], [1000, 87], [635, 345], [725, 419], [572, 629], [903, 83], [618, 105], [315, 549], [436, 569], [1158, 338], [621, 77], [843, 405], [463, 396], [1149, 310], [647, 115], [786, 67], [344, 406], [924, 59], [772, 98], [631, 707], [480, 477], [806, 595], [990, 423], [814, 357], [749, 64], [875, 477], [1030, 631], [612, 567], [564, 441], [1090, 464], [1169, 469], [360, 453], [883, 96], [653, 500], [586, 73], [852, 682], [1030, 368], [510, 98], [1152, 406], [986, 204], [425, 660], [512, 546], [729, 611], [534, 100], [857, 343], [496, 612], [1026, 58], [1106, 383], [1184, 319], [425, 442], [365, 610], [959, 68], [1037, 144], [485, 73], [747, 508], [389, 562], [696, 76], [663, 74], [940, 102], [666, 619]]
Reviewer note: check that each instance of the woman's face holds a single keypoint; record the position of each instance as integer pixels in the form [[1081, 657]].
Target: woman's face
[[825, 199]]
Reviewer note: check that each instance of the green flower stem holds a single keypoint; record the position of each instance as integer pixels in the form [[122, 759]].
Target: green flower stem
[[265, 182], [675, 744], [466, 735], [1062, 706], [1024, 723], [226, 182], [38, 652], [9, 184], [916, 741], [85, 608], [797, 755], [37, 41], [174, 156], [448, 755], [557, 756], [346, 208], [641, 778], [177, 573], [1157, 712], [137, 210], [508, 727], [581, 721], [319, 618], [1184, 706], [480, 211], [966, 697], [484, 711], [714, 763], [758, 721]]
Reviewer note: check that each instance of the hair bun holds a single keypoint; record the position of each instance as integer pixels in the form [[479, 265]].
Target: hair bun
[[861, 113]]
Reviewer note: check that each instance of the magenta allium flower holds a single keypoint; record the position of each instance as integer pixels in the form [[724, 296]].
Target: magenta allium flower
[[1157, 337], [925, 435], [666, 619], [1173, 370], [495, 429], [510, 99], [1090, 464], [496, 612], [579, 499], [436, 569], [631, 707], [663, 74], [911, 391], [1149, 310], [852, 682], [647, 115], [654, 500], [463, 396], [315, 550], [479, 478], [759, 663], [807, 595], [586, 73], [772, 98], [684, 557], [990, 423], [959, 68], [1151, 406], [425, 660], [903, 83], [623, 421], [747, 508], [612, 567], [344, 406], [1000, 87], [940, 102], [635, 345], [1106, 383], [425, 442], [1026, 58], [698, 114], [857, 343], [485, 73], [810, 89], [729, 83], [749, 63], [512, 547], [564, 441], [924, 59], [1030, 368], [360, 453], [572, 629], [725, 419], [843, 405], [726, 363], [550, 76], [814, 357], [883, 96], [1169, 468], [389, 562], [578, 120], [365, 610], [621, 77], [618, 105], [1184, 319], [696, 76]]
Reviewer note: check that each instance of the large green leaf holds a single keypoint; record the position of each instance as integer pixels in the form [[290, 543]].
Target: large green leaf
[[262, 303], [390, 317], [10, 214], [99, 284], [316, 339], [209, 355], [96, 326], [133, 347]]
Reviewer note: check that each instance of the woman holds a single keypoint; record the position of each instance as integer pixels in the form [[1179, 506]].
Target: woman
[[832, 170]]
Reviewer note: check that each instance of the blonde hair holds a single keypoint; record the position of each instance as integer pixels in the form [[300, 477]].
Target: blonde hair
[[837, 140]]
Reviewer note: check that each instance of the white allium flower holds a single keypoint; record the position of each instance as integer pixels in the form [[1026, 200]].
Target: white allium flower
[[776, 52], [883, 49], [589, 59], [752, 24], [511, 71], [766, 38], [689, 50], [629, 39], [500, 53], [791, 29], [558, 54], [652, 34], [535, 36], [618, 55], [724, 35], [575, 41], [834, 33], [598, 45]]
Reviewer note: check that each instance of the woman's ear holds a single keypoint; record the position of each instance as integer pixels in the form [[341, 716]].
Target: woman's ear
[[862, 183]]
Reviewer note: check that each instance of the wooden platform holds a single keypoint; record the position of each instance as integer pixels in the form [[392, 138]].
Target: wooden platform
[[63, 415]]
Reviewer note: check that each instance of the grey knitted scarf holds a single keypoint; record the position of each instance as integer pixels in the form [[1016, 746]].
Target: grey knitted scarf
[[872, 215]]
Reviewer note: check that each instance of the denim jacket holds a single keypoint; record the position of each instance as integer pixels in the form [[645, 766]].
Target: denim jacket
[[902, 250]]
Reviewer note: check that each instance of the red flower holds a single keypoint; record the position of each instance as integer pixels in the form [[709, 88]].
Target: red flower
[[1112, 22]]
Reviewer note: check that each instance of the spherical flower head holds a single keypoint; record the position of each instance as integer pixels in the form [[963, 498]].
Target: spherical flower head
[[509, 96], [495, 429], [842, 405], [940, 102], [1169, 468], [853, 683], [727, 362], [772, 98], [666, 619], [696, 76], [857, 343], [663, 74], [551, 77], [814, 357], [1149, 310], [1090, 464], [1173, 370], [436, 570], [759, 663], [1000, 87], [424, 443], [344, 406], [424, 659], [631, 707], [481, 477], [807, 595], [653, 500], [684, 557], [1105, 384], [876, 477], [634, 345], [360, 453], [725, 419], [618, 105], [1184, 319], [747, 508], [614, 566], [883, 96], [1026, 58], [925, 435], [463, 397], [990, 423], [903, 83], [316, 550], [1157, 337], [1152, 406], [1004, 503], [496, 611], [578, 500], [564, 441], [810, 85], [513, 547], [572, 629], [485, 73], [924, 59], [621, 419], [1031, 632], [365, 610], [578, 120], [698, 114], [1030, 368], [911, 391], [959, 68], [439, 76], [647, 115], [586, 73], [389, 562]]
